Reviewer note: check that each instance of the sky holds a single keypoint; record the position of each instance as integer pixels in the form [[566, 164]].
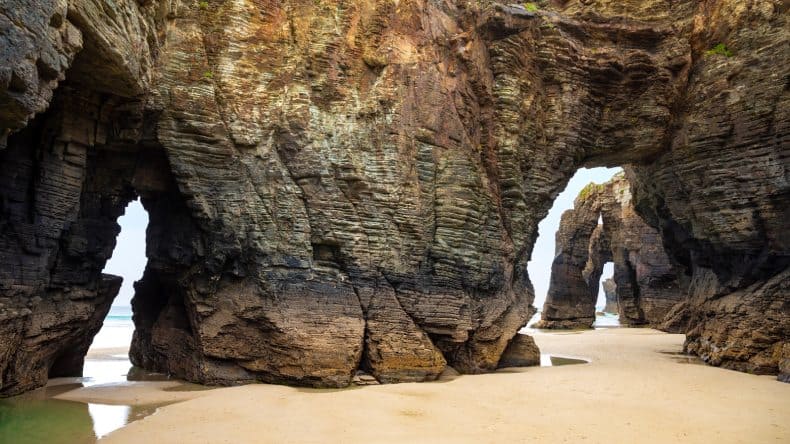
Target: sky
[[128, 259]]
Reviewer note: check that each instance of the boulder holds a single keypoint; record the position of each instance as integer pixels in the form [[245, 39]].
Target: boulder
[[521, 352]]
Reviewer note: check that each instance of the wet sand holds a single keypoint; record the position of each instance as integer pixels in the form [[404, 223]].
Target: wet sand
[[142, 389], [133, 393], [636, 389]]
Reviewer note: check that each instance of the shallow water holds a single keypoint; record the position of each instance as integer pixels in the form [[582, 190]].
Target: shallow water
[[36, 418], [555, 361], [546, 361], [605, 320]]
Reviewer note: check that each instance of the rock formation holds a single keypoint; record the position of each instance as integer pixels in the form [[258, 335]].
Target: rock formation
[[336, 186], [610, 291], [521, 352], [645, 281], [720, 192]]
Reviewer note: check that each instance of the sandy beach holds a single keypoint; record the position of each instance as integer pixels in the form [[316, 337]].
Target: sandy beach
[[635, 389]]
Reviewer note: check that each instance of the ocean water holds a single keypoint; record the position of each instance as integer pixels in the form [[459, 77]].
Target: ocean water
[[117, 329], [607, 320], [110, 361]]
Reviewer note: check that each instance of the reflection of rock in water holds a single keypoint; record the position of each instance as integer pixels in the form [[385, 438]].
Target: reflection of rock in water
[[555, 361], [684, 358], [141, 374]]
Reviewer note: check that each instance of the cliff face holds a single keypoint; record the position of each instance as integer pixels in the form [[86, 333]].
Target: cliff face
[[334, 186], [728, 159], [645, 286]]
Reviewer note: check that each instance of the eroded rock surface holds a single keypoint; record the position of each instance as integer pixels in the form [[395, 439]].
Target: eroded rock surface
[[342, 186], [720, 194], [521, 352]]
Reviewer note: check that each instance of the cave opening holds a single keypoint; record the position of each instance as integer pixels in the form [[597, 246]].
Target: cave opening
[[107, 359], [544, 251]]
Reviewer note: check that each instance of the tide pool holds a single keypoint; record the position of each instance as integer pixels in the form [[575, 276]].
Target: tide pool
[[37, 418]]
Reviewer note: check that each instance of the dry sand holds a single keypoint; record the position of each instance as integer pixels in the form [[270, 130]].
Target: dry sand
[[633, 391]]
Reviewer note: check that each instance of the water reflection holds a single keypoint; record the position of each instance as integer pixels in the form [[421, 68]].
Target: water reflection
[[554, 361], [602, 321], [25, 420], [36, 417], [107, 418], [606, 320], [683, 358], [105, 371]]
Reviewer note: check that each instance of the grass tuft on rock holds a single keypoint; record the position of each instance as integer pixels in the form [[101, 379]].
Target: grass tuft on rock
[[720, 49]]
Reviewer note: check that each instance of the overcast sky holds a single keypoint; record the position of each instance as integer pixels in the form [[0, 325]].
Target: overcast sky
[[128, 259]]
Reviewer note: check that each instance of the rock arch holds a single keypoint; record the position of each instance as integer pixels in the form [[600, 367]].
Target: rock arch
[[645, 280], [362, 189]]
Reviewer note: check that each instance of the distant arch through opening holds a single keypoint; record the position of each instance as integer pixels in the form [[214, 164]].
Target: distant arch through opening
[[543, 253]]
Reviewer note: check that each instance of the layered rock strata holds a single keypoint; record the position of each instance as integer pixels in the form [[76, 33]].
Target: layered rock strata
[[645, 282], [720, 193], [357, 185]]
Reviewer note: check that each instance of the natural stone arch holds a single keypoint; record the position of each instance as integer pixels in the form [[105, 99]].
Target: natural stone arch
[[65, 181], [362, 189], [66, 176]]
